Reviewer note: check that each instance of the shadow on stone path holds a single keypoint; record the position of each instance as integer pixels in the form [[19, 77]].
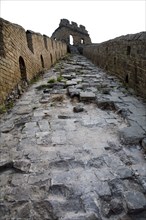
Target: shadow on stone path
[[71, 148]]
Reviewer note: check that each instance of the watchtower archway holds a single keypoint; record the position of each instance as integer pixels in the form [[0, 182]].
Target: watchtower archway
[[66, 31], [71, 39], [82, 41]]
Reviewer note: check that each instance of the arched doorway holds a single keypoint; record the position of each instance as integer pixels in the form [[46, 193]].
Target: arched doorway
[[22, 69], [82, 41], [71, 40]]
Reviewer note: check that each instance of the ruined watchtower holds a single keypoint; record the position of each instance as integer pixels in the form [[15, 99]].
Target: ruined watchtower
[[66, 30]]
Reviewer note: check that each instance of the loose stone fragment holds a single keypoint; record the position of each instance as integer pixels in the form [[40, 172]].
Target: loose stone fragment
[[87, 96], [78, 108], [72, 92]]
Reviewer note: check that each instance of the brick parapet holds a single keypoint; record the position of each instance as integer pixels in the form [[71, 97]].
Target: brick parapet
[[15, 43], [125, 57]]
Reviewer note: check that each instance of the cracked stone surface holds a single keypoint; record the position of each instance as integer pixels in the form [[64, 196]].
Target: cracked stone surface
[[74, 150]]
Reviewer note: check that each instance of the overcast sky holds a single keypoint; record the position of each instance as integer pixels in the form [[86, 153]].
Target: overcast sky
[[103, 19]]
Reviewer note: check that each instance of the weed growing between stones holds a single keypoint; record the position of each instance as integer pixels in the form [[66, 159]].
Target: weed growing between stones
[[52, 80], [60, 78], [58, 66], [2, 109], [5, 107], [44, 86], [10, 104], [37, 77]]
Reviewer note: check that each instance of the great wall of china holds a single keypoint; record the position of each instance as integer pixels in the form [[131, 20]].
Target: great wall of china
[[24, 54], [73, 144]]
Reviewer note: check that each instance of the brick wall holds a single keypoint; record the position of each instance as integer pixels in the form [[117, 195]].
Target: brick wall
[[124, 56], [23, 55]]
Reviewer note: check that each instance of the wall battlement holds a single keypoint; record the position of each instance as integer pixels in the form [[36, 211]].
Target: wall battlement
[[23, 54], [73, 25]]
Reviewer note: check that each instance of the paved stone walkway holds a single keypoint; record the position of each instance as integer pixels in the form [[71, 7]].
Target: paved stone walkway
[[71, 149]]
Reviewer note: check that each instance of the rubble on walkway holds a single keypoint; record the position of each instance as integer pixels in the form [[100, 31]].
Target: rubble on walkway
[[74, 150]]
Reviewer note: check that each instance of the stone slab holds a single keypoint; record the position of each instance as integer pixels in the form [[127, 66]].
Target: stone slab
[[135, 201], [87, 96], [131, 135]]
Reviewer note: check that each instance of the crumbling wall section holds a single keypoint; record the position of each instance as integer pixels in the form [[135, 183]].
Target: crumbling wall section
[[124, 56], [23, 54], [79, 33]]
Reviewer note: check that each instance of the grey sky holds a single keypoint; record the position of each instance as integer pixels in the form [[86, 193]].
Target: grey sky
[[103, 19]]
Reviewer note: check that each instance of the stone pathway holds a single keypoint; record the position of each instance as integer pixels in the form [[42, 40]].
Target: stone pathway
[[71, 148]]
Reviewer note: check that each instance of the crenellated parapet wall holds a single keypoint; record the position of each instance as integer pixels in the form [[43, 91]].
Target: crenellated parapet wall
[[23, 54], [124, 56], [73, 25], [79, 33]]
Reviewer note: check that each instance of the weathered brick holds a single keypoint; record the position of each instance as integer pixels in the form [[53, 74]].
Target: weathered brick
[[13, 46], [124, 58]]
